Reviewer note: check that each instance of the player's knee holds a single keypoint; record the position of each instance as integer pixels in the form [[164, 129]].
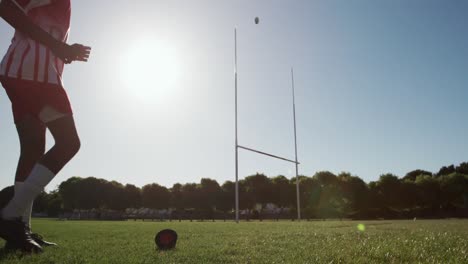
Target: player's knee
[[73, 146], [69, 148], [77, 146]]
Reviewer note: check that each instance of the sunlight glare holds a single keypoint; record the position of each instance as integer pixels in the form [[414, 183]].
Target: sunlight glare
[[150, 70]]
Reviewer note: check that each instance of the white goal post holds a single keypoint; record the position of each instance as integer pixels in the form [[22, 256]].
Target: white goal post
[[237, 146]]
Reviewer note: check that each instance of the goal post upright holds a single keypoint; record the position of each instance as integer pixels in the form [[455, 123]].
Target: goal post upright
[[295, 147], [236, 140]]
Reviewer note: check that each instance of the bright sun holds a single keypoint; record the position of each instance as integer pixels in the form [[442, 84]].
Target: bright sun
[[150, 69]]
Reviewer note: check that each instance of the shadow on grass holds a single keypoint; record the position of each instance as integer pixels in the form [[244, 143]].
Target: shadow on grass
[[10, 254], [5, 254]]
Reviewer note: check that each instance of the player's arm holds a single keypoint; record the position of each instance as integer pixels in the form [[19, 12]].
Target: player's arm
[[11, 12]]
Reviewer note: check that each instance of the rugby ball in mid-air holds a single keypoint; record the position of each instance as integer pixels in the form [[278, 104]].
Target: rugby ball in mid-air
[[257, 20], [166, 239]]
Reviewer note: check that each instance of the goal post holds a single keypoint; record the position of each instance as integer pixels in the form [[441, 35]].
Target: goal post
[[237, 146]]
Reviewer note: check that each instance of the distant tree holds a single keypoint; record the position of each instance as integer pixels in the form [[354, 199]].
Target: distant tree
[[210, 192], [376, 199], [310, 193], [132, 196], [408, 195], [428, 192], [93, 193], [41, 203], [323, 195], [54, 204], [326, 178], [462, 168], [113, 196], [49, 203], [411, 176], [453, 188], [389, 186], [259, 187], [79, 193], [246, 196], [445, 171], [331, 203], [155, 196], [227, 199], [70, 192], [176, 196], [190, 196], [355, 192], [283, 192]]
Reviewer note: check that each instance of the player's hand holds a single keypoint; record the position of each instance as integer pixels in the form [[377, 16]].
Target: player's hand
[[75, 52], [79, 52]]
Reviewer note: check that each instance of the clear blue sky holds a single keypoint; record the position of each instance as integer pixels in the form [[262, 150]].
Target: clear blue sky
[[381, 87]]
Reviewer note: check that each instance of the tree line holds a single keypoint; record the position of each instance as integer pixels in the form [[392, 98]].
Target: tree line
[[419, 193]]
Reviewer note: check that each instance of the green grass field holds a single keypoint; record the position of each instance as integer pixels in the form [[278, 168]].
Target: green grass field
[[421, 241]]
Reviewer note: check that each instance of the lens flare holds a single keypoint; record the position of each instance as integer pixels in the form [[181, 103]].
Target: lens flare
[[361, 227]]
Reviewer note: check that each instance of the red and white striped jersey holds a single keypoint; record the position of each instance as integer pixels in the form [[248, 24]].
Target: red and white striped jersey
[[27, 59]]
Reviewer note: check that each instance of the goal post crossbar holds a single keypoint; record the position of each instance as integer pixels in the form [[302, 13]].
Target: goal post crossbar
[[267, 154]]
